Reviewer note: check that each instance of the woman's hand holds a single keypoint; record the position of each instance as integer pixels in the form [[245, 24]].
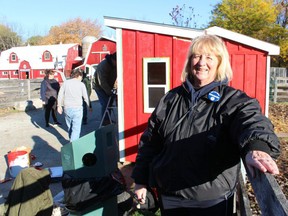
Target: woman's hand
[[262, 161], [140, 192]]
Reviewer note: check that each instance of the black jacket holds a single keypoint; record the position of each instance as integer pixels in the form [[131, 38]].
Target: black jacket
[[105, 76], [198, 157], [49, 89]]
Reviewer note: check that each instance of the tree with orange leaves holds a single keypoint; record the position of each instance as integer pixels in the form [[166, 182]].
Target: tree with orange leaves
[[73, 31]]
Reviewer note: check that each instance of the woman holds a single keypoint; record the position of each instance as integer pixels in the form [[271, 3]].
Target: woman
[[49, 92], [197, 134]]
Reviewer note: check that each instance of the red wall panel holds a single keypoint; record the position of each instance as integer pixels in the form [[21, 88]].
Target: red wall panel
[[250, 75], [129, 94], [249, 70], [238, 71], [180, 51], [261, 77], [141, 45], [145, 45]]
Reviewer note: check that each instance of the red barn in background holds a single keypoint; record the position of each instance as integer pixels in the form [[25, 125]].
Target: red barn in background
[[94, 51], [99, 49], [150, 59], [30, 62]]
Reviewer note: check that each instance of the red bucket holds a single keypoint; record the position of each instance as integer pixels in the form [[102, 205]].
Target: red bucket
[[17, 160]]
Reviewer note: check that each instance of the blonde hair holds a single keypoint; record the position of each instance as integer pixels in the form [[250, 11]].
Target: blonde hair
[[209, 44]]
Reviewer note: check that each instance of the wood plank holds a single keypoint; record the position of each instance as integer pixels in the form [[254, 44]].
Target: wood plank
[[269, 195]]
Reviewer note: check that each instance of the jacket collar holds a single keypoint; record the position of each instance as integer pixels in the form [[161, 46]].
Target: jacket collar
[[198, 93]]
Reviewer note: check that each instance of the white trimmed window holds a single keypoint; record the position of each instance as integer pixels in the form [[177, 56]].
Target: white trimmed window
[[13, 57], [5, 73], [47, 56], [156, 81]]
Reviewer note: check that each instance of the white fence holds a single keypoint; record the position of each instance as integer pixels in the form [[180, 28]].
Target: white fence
[[278, 72], [15, 91], [278, 84]]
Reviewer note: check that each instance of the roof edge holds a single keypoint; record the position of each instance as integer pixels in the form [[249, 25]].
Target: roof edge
[[272, 49], [122, 23]]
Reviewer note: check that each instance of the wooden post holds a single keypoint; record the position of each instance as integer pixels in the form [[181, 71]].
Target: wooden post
[[29, 89], [275, 90], [243, 199]]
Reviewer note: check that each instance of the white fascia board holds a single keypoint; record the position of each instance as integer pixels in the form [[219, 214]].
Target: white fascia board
[[268, 68], [152, 27], [246, 40], [120, 96], [107, 38]]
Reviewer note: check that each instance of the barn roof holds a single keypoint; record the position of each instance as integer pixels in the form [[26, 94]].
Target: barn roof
[[185, 32], [107, 38], [33, 54]]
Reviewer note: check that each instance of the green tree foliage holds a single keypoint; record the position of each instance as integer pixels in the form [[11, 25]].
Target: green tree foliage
[[248, 17], [35, 40], [278, 35], [8, 38], [262, 19], [73, 31]]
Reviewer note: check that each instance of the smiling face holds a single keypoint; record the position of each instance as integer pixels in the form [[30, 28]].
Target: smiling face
[[204, 68], [207, 61]]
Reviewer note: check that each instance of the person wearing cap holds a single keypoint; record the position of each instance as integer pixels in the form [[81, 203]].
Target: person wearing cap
[[70, 97], [198, 133], [104, 81]]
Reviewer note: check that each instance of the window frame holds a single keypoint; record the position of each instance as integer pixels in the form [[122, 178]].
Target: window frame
[[146, 86], [47, 56], [13, 57]]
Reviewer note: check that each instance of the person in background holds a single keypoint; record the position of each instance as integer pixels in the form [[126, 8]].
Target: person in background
[[104, 81], [70, 97], [48, 92], [198, 133], [87, 84]]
